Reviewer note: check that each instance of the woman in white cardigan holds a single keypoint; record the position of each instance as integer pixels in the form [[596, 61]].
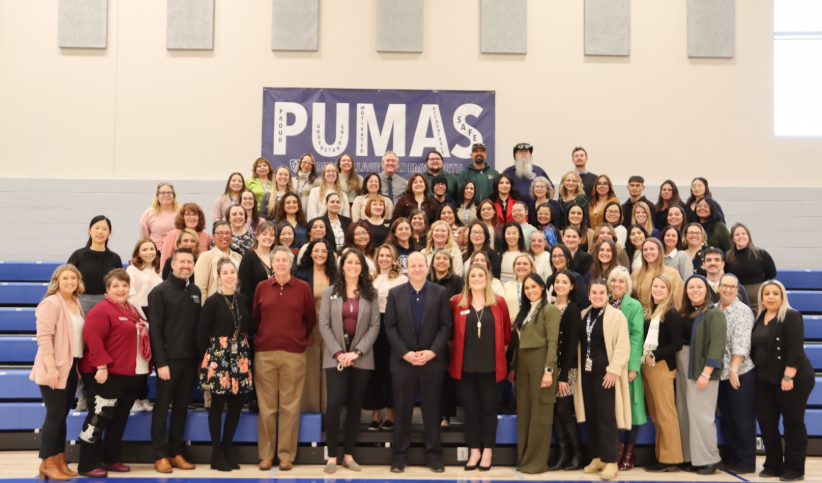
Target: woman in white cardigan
[[604, 350]]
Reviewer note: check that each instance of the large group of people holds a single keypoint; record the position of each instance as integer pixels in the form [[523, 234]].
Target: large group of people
[[324, 288]]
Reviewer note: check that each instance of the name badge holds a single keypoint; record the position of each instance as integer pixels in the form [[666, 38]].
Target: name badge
[[196, 299], [465, 312], [124, 319]]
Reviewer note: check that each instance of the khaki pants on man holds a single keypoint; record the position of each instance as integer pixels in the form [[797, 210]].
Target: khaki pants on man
[[279, 377]]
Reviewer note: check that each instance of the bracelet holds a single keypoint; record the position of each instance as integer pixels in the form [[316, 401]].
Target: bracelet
[[705, 376]]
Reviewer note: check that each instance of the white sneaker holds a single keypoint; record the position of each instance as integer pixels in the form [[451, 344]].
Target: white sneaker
[[147, 405], [82, 404], [137, 407]]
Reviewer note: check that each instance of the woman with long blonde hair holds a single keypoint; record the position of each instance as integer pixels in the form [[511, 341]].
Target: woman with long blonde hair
[[283, 183], [653, 264], [572, 193], [329, 183], [440, 236]]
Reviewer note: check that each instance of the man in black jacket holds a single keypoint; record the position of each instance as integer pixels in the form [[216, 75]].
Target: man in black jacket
[[173, 314], [418, 325]]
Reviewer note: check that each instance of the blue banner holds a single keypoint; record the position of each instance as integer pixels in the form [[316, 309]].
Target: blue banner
[[365, 123]]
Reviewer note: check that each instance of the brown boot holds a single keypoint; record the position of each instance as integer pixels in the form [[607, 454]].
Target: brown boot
[[180, 462], [62, 466], [628, 460], [50, 471]]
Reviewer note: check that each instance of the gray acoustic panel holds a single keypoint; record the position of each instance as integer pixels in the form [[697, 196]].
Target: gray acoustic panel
[[504, 27], [190, 24], [82, 24], [399, 25], [711, 28], [295, 24], [607, 27]]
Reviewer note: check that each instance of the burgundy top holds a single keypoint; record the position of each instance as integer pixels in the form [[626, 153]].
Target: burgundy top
[[111, 339], [284, 315], [351, 308]]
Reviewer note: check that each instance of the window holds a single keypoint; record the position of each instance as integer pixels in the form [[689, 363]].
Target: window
[[798, 67]]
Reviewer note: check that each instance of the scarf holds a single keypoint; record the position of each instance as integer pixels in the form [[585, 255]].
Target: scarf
[[652, 339], [617, 303], [142, 326]]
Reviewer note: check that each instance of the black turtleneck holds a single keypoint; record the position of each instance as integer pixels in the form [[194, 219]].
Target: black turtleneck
[[748, 269], [93, 266], [597, 336], [173, 315]]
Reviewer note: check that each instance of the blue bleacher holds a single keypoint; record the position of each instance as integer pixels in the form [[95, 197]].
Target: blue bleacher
[[17, 319], [807, 302], [22, 293], [18, 349], [800, 279], [14, 271]]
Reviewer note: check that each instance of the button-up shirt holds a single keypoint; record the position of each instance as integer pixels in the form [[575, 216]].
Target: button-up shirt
[[284, 315], [417, 306], [740, 320], [398, 184]]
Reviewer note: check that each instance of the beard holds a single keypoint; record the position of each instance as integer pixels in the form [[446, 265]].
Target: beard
[[435, 172], [524, 167]]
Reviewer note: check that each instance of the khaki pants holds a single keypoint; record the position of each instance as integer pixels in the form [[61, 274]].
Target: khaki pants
[[280, 377], [314, 394], [659, 397]]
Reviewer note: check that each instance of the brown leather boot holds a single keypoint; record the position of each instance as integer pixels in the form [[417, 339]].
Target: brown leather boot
[[50, 471], [180, 463], [162, 466], [628, 460], [62, 466]]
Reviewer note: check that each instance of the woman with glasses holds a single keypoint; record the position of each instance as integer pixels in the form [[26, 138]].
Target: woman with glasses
[[190, 216], [158, 220]]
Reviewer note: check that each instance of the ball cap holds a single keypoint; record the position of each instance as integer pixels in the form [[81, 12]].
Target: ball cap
[[522, 147], [477, 146]]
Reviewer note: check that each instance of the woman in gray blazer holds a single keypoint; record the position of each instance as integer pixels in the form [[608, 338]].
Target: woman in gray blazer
[[349, 325]]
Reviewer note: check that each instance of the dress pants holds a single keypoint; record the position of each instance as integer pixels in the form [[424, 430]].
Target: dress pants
[[771, 402], [753, 296], [600, 411], [738, 410], [406, 382], [168, 443], [58, 405], [380, 392], [315, 397], [108, 448], [696, 409], [350, 384], [279, 377], [535, 412], [479, 401], [659, 397]]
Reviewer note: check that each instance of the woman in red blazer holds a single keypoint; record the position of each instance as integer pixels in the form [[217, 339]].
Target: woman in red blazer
[[114, 367], [482, 330], [504, 195]]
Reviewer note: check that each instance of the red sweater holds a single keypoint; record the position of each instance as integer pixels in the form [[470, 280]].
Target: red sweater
[[502, 336], [284, 315], [111, 339]]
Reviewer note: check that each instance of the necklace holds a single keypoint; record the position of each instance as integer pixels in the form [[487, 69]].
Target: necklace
[[479, 321], [351, 305]]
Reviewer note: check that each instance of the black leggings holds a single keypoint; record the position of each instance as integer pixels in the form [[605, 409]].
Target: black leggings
[[351, 382], [600, 413], [232, 418], [58, 404]]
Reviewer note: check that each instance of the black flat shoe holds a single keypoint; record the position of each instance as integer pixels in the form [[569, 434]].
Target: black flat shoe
[[387, 425], [707, 469], [374, 426], [436, 466], [661, 467], [769, 473], [687, 466], [791, 476], [397, 467]]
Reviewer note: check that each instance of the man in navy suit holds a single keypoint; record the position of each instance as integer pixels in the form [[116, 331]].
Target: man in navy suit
[[418, 326]]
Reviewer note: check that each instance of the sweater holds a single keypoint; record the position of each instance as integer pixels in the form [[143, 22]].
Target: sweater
[[747, 269], [407, 203], [174, 311], [217, 320], [283, 315], [568, 342], [142, 282], [252, 271], [708, 340], [111, 340], [93, 266], [157, 226], [719, 236], [483, 180], [358, 207]]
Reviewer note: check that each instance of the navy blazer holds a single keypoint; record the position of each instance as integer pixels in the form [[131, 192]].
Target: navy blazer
[[436, 327]]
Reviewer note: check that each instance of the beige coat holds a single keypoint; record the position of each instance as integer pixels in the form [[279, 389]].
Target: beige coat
[[205, 270], [642, 288], [618, 346]]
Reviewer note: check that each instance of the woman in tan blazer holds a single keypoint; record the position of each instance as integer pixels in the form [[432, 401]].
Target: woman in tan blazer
[[349, 325], [59, 348], [602, 397]]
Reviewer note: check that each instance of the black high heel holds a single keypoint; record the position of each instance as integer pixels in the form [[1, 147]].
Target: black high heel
[[218, 460]]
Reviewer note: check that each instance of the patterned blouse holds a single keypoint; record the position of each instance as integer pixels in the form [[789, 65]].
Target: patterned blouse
[[740, 321], [242, 243]]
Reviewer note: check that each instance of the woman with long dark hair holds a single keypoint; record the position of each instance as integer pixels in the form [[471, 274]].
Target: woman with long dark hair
[[699, 190], [349, 323], [399, 236], [503, 195], [467, 209], [668, 196], [534, 367], [510, 245], [751, 265], [707, 214], [230, 197], [479, 239], [290, 210]]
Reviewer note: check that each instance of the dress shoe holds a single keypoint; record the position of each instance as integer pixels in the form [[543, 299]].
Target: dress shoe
[[397, 466], [162, 466], [791, 476], [707, 469], [60, 459], [620, 452], [286, 465], [436, 466], [229, 458], [473, 467], [628, 459], [50, 471], [218, 460], [739, 470], [445, 423], [661, 467], [95, 473], [180, 463], [265, 465], [116, 467], [769, 473], [687, 466]]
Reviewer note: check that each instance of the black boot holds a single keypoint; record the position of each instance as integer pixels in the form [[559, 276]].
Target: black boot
[[229, 458], [563, 452], [218, 459], [572, 433]]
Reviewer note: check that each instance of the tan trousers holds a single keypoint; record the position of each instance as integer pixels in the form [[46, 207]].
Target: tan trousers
[[279, 377], [314, 394], [659, 397]]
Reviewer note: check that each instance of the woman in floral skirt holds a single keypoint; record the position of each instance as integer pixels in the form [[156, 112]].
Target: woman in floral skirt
[[226, 367]]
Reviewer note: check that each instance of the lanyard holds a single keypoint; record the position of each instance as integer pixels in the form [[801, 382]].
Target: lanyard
[[234, 308], [465, 212], [589, 329]]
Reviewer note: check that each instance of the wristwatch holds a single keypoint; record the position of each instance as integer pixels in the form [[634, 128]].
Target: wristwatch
[[358, 352], [549, 370], [788, 378]]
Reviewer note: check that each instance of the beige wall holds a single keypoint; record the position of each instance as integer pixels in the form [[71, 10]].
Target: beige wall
[[135, 109]]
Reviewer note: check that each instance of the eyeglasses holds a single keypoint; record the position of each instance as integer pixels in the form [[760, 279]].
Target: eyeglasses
[[165, 193], [360, 233], [222, 233], [728, 287], [191, 215], [557, 257]]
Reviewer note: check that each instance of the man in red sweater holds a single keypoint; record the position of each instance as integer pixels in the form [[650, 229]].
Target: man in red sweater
[[284, 317]]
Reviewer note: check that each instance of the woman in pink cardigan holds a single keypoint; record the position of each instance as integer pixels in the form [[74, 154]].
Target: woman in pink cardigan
[[59, 349]]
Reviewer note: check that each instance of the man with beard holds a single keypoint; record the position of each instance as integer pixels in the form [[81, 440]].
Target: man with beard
[[479, 173], [433, 160], [523, 171]]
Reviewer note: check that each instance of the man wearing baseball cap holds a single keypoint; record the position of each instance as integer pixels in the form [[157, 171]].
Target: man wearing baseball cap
[[479, 173], [524, 171]]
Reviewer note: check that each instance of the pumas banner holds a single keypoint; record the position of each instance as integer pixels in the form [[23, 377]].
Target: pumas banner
[[366, 123]]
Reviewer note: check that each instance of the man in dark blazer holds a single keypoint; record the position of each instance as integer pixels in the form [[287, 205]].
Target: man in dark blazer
[[418, 326]]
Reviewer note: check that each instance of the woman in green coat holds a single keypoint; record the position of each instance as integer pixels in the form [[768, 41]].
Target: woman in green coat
[[535, 363], [619, 284]]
